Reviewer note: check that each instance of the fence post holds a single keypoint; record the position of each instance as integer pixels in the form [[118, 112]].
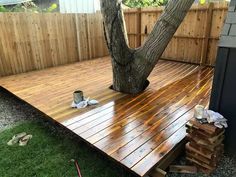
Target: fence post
[[139, 26], [207, 34]]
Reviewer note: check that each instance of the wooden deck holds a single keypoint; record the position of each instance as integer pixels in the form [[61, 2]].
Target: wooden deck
[[137, 131]]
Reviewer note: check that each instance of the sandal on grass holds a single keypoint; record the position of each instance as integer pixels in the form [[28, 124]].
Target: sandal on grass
[[24, 140], [15, 139]]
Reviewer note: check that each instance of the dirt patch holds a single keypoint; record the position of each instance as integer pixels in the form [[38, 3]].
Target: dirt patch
[[226, 168], [13, 110]]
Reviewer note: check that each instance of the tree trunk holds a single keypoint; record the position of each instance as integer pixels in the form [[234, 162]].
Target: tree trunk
[[131, 67]]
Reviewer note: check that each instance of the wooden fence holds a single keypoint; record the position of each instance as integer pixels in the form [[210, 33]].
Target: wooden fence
[[30, 41], [196, 39]]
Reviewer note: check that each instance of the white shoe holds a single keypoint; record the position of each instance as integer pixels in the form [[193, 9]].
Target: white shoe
[[24, 140], [15, 139]]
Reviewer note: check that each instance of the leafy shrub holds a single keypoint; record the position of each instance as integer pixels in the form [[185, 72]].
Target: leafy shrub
[[3, 9], [144, 3], [28, 7]]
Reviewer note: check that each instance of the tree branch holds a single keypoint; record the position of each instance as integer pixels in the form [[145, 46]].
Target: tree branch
[[162, 33], [116, 32]]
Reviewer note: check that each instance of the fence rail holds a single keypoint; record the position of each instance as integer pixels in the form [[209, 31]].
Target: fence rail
[[30, 41]]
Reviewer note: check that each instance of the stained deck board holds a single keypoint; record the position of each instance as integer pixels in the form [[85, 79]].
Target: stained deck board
[[137, 131]]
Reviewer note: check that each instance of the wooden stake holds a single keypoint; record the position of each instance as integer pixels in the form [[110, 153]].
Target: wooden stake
[[183, 169], [158, 173]]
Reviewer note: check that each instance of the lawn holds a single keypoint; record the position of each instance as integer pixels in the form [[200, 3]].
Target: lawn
[[48, 154]]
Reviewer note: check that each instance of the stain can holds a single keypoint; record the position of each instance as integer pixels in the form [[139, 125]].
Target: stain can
[[78, 96]]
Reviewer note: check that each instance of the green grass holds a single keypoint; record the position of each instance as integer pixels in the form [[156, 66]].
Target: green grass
[[48, 154]]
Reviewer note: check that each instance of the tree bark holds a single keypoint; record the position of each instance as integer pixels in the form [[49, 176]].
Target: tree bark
[[131, 67]]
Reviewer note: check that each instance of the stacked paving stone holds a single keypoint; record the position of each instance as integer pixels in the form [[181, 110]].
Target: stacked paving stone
[[205, 146]]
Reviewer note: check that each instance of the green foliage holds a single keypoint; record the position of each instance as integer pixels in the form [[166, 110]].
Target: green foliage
[[144, 3], [52, 8], [3, 9], [48, 154], [28, 7]]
